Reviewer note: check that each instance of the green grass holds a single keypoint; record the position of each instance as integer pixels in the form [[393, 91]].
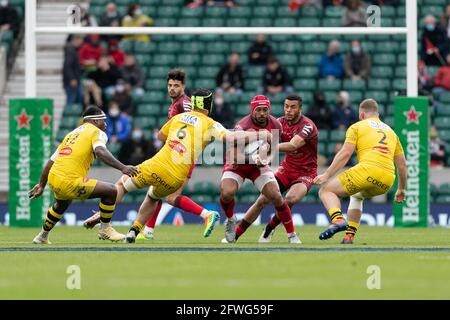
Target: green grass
[[227, 274]]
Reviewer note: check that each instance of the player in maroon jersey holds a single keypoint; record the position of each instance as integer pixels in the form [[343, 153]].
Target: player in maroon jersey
[[298, 169], [180, 103], [261, 175]]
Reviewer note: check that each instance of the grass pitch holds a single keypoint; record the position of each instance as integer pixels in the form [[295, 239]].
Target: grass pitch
[[180, 264]]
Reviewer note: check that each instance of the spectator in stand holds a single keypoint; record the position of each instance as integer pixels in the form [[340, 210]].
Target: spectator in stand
[[106, 76], [136, 149], [355, 14], [314, 3], [231, 77], [9, 18], [123, 98], [92, 95], [222, 112], [90, 53], [445, 21], [135, 18], [425, 79], [276, 78], [437, 149], [442, 79], [343, 114], [87, 20], [111, 18], [118, 126], [319, 112], [331, 65], [72, 71], [357, 63], [116, 56], [133, 75], [194, 4], [260, 51], [434, 43]]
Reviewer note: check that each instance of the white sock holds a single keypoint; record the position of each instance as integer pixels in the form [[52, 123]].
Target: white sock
[[291, 234], [205, 213], [103, 226], [147, 230]]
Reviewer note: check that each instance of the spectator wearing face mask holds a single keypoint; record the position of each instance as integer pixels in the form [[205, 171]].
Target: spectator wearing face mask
[[319, 112], [221, 111], [133, 75], [357, 63], [118, 126], [9, 18], [434, 43], [106, 76], [123, 98], [90, 52], [136, 149], [135, 18], [343, 114], [331, 65]]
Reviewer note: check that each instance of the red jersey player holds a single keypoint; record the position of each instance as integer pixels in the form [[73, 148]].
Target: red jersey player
[[180, 103], [234, 174], [297, 171]]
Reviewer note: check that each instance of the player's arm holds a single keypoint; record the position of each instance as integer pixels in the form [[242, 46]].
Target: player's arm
[[400, 163], [161, 136], [339, 161], [38, 189], [102, 153], [164, 132], [295, 143], [99, 140]]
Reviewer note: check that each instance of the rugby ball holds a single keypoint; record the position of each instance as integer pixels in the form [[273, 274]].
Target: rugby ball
[[253, 147]]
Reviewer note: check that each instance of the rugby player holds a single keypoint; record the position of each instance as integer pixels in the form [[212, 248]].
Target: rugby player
[[262, 176], [66, 173], [378, 148], [296, 173]]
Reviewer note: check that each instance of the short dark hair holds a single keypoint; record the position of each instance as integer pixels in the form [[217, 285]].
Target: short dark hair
[[295, 97], [92, 111], [176, 74]]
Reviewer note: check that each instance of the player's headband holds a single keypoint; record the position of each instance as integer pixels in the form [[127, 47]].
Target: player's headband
[[101, 116]]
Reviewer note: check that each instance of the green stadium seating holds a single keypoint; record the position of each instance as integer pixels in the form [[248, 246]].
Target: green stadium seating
[[305, 84], [155, 84], [384, 59], [349, 84], [315, 47], [382, 72], [324, 84], [285, 22], [244, 12], [309, 59], [213, 59], [145, 122], [379, 96], [379, 84], [149, 110], [264, 11], [73, 110], [168, 11], [445, 97], [337, 136], [307, 72], [309, 22], [442, 122], [237, 22], [70, 123], [213, 22]]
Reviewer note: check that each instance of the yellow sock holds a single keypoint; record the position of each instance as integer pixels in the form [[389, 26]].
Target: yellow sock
[[352, 227], [137, 227], [52, 218], [106, 212], [335, 214]]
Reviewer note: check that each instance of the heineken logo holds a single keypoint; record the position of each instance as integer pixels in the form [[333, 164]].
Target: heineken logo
[[45, 119], [23, 170], [23, 120], [411, 208], [412, 115]]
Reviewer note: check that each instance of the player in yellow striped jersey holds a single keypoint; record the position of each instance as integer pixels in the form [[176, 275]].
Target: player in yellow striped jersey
[[185, 136], [378, 149], [66, 173]]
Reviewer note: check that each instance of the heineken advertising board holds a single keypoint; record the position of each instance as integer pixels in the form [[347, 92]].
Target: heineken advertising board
[[411, 126], [30, 147]]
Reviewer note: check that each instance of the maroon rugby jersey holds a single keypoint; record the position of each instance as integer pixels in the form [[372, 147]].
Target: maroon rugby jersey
[[247, 123], [304, 159], [182, 104]]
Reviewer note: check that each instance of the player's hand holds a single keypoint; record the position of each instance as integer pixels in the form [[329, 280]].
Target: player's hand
[[400, 196], [321, 179], [36, 192], [258, 161], [130, 171]]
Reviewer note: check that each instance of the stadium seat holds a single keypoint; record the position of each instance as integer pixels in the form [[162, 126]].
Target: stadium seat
[[242, 12], [310, 59], [305, 84], [70, 123], [349, 84], [285, 22], [264, 11], [384, 59], [73, 110], [382, 72], [379, 84], [442, 122], [213, 59], [145, 122], [307, 72], [315, 47], [169, 47], [337, 136], [149, 110], [155, 84], [325, 84]]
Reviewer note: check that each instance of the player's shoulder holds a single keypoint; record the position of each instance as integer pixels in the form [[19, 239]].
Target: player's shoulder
[[244, 123], [275, 122]]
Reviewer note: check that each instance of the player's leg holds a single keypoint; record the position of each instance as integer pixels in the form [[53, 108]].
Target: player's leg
[[271, 191], [107, 192], [295, 194], [250, 216], [330, 195], [93, 220], [146, 209], [54, 215], [354, 217], [228, 187]]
